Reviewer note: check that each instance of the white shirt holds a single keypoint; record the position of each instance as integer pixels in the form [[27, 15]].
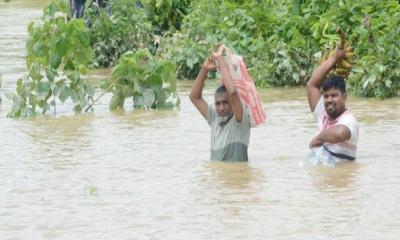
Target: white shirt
[[347, 148]]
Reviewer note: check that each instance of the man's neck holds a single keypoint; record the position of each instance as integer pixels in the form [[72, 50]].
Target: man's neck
[[331, 119]]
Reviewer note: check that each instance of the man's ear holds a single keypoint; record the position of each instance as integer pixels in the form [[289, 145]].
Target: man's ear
[[345, 95]]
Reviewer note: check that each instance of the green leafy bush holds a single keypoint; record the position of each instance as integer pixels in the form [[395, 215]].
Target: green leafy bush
[[123, 28], [206, 25], [376, 37], [166, 14], [282, 41], [149, 82], [58, 51]]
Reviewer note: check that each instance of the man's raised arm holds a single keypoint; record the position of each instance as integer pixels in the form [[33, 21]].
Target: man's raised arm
[[227, 80], [318, 77], [197, 89]]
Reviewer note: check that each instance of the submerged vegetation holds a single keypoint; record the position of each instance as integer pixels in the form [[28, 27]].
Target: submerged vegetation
[[152, 42], [150, 83], [58, 52], [60, 48]]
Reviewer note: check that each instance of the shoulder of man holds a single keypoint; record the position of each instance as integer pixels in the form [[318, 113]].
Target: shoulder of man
[[348, 119], [245, 117], [348, 116]]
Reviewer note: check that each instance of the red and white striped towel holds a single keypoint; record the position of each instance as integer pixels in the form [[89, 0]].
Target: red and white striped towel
[[246, 88]]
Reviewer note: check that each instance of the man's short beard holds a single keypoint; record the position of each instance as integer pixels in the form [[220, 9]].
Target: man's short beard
[[224, 119]]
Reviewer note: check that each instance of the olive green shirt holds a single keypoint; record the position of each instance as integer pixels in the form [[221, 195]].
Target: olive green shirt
[[230, 142]]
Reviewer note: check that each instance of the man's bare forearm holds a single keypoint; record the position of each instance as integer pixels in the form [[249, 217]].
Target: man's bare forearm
[[337, 134], [226, 76], [197, 89], [320, 73], [231, 89]]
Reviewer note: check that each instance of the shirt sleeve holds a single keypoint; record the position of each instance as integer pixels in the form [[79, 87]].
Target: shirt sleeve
[[319, 109], [245, 117], [351, 123]]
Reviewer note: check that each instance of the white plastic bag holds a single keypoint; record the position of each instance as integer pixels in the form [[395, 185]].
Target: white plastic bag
[[320, 156]]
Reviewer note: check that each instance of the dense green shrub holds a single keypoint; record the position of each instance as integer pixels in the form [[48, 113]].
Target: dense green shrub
[[129, 25], [124, 27], [376, 37], [207, 24], [282, 40], [58, 51], [150, 82], [166, 14]]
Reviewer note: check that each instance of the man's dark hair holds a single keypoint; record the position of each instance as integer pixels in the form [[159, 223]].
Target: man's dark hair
[[221, 89], [334, 82]]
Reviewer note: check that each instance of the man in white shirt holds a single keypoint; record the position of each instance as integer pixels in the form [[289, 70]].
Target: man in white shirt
[[338, 128]]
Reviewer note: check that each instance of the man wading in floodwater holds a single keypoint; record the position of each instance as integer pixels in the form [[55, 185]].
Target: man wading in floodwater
[[228, 117], [338, 128]]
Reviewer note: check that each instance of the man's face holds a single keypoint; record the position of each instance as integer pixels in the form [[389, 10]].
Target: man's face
[[334, 101], [222, 104]]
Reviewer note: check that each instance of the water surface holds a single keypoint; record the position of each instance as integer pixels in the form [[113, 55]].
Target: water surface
[[147, 174]]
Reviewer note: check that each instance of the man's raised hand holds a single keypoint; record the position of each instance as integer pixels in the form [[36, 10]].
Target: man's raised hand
[[209, 64]]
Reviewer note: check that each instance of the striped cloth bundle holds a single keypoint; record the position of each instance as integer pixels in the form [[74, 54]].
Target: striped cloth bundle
[[245, 87]]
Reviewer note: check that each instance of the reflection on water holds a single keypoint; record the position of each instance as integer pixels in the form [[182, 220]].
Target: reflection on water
[[234, 175], [59, 140], [232, 188], [146, 174], [340, 177]]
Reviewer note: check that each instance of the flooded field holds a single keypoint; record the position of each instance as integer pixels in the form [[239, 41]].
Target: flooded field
[[147, 174]]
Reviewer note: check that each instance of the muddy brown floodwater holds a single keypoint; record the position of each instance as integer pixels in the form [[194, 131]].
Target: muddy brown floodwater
[[147, 174]]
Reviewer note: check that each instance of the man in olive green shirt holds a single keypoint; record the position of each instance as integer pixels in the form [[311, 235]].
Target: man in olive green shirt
[[228, 118]]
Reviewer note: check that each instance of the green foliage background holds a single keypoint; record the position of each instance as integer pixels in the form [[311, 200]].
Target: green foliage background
[[58, 51], [151, 83], [121, 28], [281, 42]]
